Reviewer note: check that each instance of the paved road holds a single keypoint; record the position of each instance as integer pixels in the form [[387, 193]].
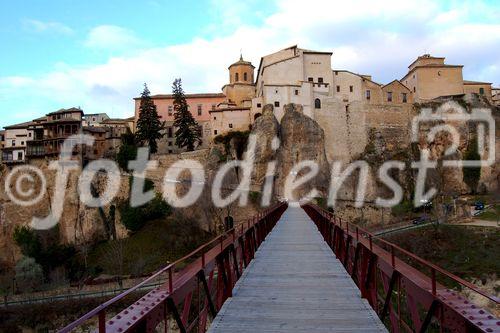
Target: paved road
[[295, 284]]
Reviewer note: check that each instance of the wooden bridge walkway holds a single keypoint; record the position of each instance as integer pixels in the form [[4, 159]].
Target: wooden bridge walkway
[[295, 284]]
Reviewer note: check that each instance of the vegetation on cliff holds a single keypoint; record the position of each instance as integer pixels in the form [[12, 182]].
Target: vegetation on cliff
[[472, 174]]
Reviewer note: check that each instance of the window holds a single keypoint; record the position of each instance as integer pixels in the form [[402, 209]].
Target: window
[[199, 109], [170, 110], [215, 132], [13, 143], [296, 92], [405, 99], [244, 76], [336, 73], [277, 104], [22, 143], [481, 91], [310, 79], [170, 151], [215, 118], [93, 118], [170, 133], [29, 134], [389, 96], [236, 77], [351, 89], [170, 143], [368, 94], [414, 89], [19, 155], [213, 106], [230, 125], [320, 79], [317, 103], [338, 88], [259, 105]]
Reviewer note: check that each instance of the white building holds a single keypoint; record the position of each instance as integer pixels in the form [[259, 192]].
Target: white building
[[15, 142], [293, 75], [94, 119]]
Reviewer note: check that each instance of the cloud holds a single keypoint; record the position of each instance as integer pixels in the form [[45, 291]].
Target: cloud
[[370, 37], [43, 27], [111, 37]]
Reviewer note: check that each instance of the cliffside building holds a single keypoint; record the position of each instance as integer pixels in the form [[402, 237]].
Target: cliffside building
[[233, 114], [16, 138], [293, 75], [429, 77], [199, 105]]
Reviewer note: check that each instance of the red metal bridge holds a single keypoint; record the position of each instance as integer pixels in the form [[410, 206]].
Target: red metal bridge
[[299, 270]]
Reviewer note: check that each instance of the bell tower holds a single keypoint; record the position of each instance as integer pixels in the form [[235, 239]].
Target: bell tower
[[241, 87]]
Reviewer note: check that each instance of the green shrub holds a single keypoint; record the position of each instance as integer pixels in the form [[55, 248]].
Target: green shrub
[[403, 208], [29, 274], [125, 154], [28, 241], [254, 197], [471, 175], [134, 218], [50, 256]]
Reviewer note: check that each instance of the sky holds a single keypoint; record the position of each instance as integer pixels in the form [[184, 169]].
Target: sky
[[97, 54]]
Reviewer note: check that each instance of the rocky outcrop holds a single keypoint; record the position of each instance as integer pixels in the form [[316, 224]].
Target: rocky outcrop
[[302, 139], [265, 129]]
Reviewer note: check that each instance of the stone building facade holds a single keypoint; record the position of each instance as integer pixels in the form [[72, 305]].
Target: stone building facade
[[429, 77]]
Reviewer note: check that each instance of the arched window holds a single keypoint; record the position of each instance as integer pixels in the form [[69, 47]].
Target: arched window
[[244, 76], [317, 103], [236, 78]]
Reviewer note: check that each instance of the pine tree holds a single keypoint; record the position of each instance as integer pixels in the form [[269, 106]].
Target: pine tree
[[149, 124], [188, 133]]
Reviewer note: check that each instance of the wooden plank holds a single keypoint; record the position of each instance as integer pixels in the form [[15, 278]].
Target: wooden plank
[[295, 284]]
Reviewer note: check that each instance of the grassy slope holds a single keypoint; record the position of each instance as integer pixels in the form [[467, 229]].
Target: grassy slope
[[158, 242], [469, 252]]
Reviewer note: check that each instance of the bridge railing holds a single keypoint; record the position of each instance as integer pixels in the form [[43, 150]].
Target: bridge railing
[[404, 289], [197, 284]]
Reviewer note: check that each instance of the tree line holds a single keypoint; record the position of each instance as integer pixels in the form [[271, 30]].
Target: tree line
[[150, 127]]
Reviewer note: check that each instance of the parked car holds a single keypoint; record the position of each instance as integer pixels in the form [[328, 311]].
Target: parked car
[[421, 220], [479, 205]]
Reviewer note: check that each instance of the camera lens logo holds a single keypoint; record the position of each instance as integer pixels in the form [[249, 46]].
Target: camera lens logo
[[21, 185], [452, 113]]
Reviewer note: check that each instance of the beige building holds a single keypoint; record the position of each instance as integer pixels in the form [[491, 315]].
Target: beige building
[[240, 88], [481, 88], [429, 77], [16, 138], [293, 75], [233, 114], [2, 139], [94, 119], [352, 87], [396, 92], [495, 96], [225, 120]]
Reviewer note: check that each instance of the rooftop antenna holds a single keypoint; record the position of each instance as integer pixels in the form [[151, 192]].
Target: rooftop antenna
[[241, 55]]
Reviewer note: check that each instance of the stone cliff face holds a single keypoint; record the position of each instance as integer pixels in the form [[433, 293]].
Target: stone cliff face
[[266, 129], [300, 139]]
